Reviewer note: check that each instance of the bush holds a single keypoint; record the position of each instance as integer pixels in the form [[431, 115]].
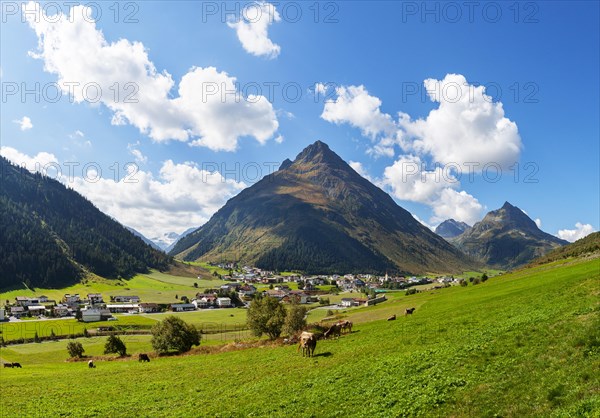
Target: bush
[[324, 301], [463, 282], [329, 312], [115, 345], [75, 349], [484, 278], [173, 333], [477, 280], [266, 316], [411, 292]]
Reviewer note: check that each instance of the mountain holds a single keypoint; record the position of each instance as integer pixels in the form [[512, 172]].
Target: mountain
[[52, 236], [143, 238], [317, 215], [584, 247], [165, 240], [506, 238], [451, 228], [179, 236]]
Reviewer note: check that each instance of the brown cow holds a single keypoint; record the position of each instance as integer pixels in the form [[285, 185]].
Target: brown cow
[[409, 311], [308, 343], [346, 326], [335, 330], [392, 318], [144, 357], [16, 365]]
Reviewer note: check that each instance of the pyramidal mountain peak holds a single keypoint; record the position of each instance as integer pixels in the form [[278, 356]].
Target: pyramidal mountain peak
[[317, 215]]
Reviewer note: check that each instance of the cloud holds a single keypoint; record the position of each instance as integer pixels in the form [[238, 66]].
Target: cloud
[[180, 197], [208, 111], [320, 88], [538, 222], [460, 206], [137, 154], [41, 162], [355, 106], [466, 127], [409, 179], [358, 167], [580, 231], [252, 29], [24, 122]]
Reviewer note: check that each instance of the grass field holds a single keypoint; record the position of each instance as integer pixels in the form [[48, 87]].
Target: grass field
[[522, 344]]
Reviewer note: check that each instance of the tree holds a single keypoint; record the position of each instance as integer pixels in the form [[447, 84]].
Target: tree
[[115, 345], [196, 285], [266, 316], [75, 349], [295, 320], [484, 277], [173, 333]]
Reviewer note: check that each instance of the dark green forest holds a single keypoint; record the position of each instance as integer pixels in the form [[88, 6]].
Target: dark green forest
[[50, 234]]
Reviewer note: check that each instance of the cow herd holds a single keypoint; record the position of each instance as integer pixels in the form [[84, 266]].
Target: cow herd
[[12, 365], [308, 340]]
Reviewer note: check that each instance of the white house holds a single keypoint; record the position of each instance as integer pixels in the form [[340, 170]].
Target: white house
[[224, 302], [148, 307], [95, 298], [17, 311], [61, 310], [36, 310], [71, 299]]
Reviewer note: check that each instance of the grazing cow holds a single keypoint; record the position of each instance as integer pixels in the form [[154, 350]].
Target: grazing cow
[[144, 357], [16, 365], [346, 326], [308, 343], [91, 364], [392, 318], [409, 311], [335, 330], [8, 365]]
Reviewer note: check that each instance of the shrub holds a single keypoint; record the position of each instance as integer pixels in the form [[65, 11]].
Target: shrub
[[266, 316], [463, 282], [173, 333], [484, 278], [329, 312], [324, 301], [411, 292], [75, 349], [477, 280], [115, 345]]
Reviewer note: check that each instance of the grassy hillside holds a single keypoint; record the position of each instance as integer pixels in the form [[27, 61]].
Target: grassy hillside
[[521, 344], [580, 248]]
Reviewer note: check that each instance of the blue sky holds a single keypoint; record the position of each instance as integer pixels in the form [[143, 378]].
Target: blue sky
[[538, 114]]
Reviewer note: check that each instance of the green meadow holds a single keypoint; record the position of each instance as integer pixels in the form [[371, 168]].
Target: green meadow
[[523, 344], [152, 287]]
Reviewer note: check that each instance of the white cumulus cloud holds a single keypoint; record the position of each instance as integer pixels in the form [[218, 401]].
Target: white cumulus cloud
[[24, 123], [208, 110], [252, 29], [41, 162], [466, 127], [580, 231], [355, 106]]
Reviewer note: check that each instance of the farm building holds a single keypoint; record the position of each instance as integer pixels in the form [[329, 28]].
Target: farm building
[[224, 302], [182, 307], [126, 299], [94, 314], [122, 307]]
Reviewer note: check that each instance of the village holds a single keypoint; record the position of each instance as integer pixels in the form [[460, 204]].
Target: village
[[239, 287]]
